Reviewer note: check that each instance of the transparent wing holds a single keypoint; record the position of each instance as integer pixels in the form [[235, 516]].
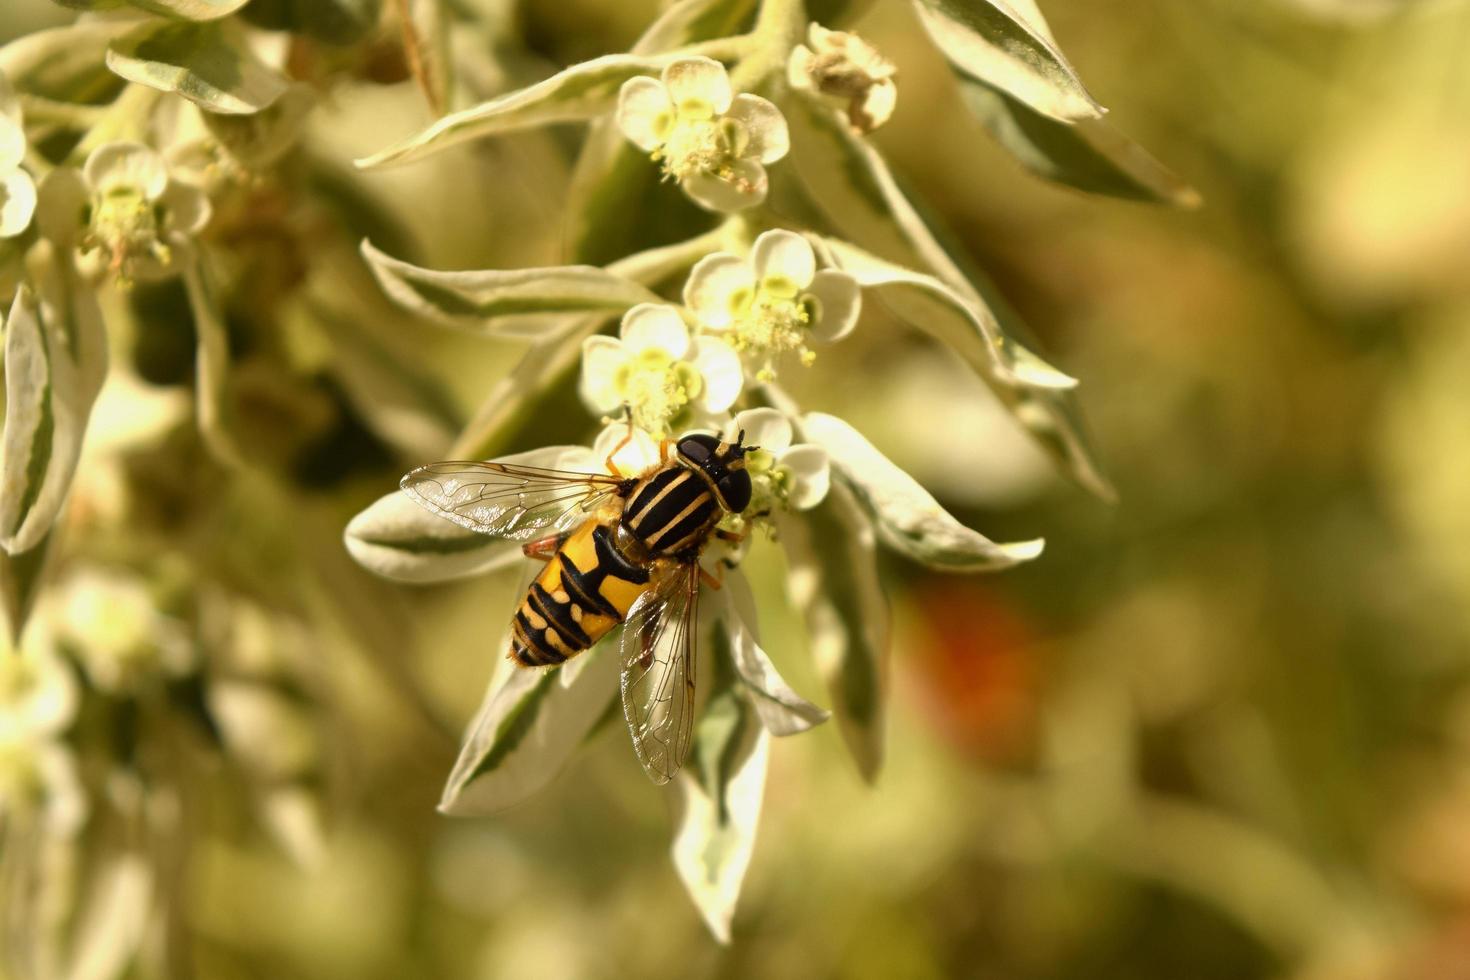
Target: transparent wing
[[508, 500], [658, 671]]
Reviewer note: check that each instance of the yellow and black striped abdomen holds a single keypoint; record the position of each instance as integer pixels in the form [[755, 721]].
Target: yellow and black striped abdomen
[[584, 591], [671, 510]]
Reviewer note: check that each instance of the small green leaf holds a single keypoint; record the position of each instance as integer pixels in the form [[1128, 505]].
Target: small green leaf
[[718, 798], [992, 42], [199, 62], [580, 92], [832, 578], [505, 303], [195, 10], [527, 728], [907, 518], [781, 709]]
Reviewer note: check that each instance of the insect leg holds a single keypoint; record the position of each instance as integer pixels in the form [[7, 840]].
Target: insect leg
[[710, 580], [612, 467], [543, 549]]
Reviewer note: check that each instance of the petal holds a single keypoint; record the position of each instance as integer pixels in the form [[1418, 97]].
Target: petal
[[187, 206], [877, 105], [764, 427], [644, 112], [601, 358], [655, 325], [835, 302], [746, 188], [799, 67], [130, 165], [696, 83], [61, 200], [811, 474], [17, 203], [783, 255], [767, 137], [12, 143], [723, 374], [632, 450], [718, 287]]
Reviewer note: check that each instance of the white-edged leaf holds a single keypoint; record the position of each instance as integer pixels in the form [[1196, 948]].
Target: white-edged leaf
[[200, 62], [781, 710], [832, 577], [526, 303], [961, 322], [1091, 155], [992, 42], [525, 731], [717, 802], [856, 193], [583, 91], [212, 358], [402, 540], [907, 518], [55, 355], [64, 63]]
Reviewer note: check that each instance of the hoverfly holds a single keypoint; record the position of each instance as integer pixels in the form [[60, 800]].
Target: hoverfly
[[618, 549]]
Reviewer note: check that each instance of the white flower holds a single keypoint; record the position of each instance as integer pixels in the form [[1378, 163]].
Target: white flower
[[118, 634], [662, 375], [17, 190], [714, 143], [38, 693], [123, 210], [631, 452], [786, 476], [774, 302], [847, 71]]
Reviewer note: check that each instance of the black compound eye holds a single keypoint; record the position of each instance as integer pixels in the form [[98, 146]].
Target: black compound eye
[[698, 448], [735, 490]]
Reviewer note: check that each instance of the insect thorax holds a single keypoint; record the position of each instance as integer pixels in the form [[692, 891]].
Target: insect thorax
[[671, 511]]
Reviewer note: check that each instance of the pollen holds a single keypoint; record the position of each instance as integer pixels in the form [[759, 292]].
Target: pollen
[[657, 388]]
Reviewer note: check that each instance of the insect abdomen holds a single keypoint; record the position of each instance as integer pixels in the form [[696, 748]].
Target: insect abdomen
[[671, 510], [584, 591]]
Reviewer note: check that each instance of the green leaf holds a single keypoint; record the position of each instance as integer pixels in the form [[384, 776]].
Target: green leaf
[[192, 10], [848, 186], [199, 62], [907, 518], [832, 577], [780, 709], [718, 798], [527, 729], [21, 577], [580, 92], [337, 22], [1088, 154], [64, 63], [505, 303], [992, 42], [55, 358]]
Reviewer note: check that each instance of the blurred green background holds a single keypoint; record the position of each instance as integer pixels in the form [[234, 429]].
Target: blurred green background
[[1219, 730]]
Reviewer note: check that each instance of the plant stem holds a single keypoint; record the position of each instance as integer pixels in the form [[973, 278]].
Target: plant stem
[[778, 28]]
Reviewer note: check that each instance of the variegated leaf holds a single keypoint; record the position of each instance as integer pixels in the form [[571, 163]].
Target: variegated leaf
[[201, 62], [832, 578], [907, 517], [781, 710], [527, 728], [717, 800], [527, 303]]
